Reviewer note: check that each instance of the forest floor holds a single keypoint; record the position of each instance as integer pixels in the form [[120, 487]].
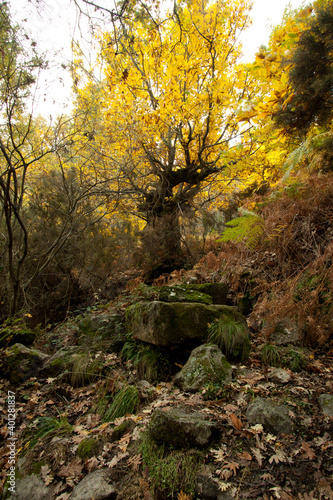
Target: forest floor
[[244, 463]]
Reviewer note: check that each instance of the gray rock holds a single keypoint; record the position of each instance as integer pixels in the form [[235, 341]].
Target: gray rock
[[174, 427], [165, 324], [20, 362], [326, 404], [95, 485], [105, 324], [31, 487], [207, 488], [205, 365], [279, 376], [274, 419], [286, 332]]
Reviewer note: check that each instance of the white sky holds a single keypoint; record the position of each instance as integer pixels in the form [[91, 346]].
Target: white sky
[[55, 24]]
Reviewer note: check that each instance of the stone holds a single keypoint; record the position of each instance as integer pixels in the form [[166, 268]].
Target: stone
[[326, 404], [166, 324], [207, 488], [181, 293], [31, 487], [60, 361], [286, 332], [205, 365], [217, 291], [279, 376], [274, 418], [95, 485], [174, 427], [104, 324], [19, 363]]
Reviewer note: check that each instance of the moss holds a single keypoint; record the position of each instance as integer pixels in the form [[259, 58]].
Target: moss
[[88, 448], [36, 466], [120, 430], [171, 472]]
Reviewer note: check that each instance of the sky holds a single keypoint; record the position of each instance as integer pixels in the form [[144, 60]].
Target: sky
[[55, 22]]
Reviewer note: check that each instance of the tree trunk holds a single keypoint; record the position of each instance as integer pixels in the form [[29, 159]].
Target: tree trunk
[[161, 241]]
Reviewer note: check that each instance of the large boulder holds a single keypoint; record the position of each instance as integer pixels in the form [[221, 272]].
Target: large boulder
[[166, 324], [206, 365], [274, 418], [174, 427], [97, 485], [19, 362]]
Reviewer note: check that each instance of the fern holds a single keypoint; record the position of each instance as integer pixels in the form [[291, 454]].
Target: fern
[[249, 228], [309, 150]]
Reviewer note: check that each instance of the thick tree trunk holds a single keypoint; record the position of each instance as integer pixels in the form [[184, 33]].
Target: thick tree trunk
[[161, 240]]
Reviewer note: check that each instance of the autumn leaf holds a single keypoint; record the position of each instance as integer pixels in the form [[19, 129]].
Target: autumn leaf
[[245, 455], [278, 457], [308, 452], [134, 462], [233, 466], [183, 496], [267, 477], [71, 470], [235, 421], [46, 474], [223, 486], [256, 452], [219, 455], [116, 459]]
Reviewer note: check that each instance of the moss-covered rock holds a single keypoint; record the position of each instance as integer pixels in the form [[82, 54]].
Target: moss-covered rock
[[174, 427], [119, 431], [181, 293], [105, 328], [61, 361], [217, 291], [89, 447], [166, 324], [19, 362], [80, 366], [206, 365]]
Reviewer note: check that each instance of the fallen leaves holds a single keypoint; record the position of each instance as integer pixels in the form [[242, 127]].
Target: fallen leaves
[[308, 451]]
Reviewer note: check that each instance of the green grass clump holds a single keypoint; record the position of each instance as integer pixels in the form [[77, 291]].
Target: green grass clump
[[150, 363], [170, 471], [231, 337], [50, 427], [126, 401], [271, 355]]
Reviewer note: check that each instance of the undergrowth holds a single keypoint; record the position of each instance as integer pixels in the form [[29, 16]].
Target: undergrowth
[[126, 401], [171, 471]]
